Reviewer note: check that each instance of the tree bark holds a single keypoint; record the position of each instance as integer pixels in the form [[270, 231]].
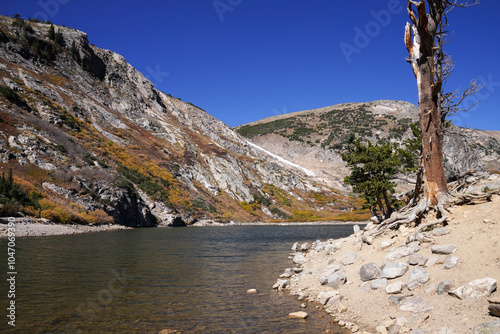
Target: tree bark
[[421, 51], [388, 205], [381, 207]]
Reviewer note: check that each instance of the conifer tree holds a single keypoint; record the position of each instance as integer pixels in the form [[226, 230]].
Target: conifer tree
[[52, 33], [372, 168]]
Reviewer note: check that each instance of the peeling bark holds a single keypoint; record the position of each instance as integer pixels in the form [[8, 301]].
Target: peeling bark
[[421, 57]]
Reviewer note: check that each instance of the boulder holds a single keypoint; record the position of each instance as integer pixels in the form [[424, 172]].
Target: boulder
[[393, 270], [288, 273], [299, 259], [417, 259], [356, 229], [298, 315], [367, 239], [415, 246], [395, 288], [451, 262], [476, 289], [281, 284], [379, 283], [324, 296], [295, 246], [335, 300], [369, 271], [337, 279], [350, 258], [487, 328], [399, 253], [319, 246], [302, 296], [305, 246], [252, 291], [329, 249], [433, 259], [443, 249], [330, 270], [494, 306], [415, 305], [418, 276]]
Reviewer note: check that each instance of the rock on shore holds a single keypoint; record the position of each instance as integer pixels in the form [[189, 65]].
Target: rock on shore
[[382, 285]]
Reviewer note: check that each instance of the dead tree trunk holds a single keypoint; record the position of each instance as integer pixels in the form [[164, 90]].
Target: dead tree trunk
[[422, 58]]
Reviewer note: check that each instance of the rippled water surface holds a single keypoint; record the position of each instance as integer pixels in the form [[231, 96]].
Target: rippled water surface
[[142, 281]]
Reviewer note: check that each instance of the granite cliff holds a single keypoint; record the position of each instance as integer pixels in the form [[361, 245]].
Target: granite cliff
[[88, 132]]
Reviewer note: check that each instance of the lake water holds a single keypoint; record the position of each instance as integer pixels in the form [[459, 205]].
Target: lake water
[[192, 279]]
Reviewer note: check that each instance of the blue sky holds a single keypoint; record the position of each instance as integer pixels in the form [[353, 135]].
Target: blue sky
[[244, 60]]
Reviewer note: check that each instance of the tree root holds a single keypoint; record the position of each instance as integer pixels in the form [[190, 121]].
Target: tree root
[[413, 215]]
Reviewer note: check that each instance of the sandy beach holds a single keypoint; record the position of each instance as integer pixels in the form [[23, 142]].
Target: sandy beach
[[332, 274], [28, 227]]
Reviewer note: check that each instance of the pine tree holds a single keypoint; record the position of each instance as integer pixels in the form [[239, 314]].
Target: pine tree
[[52, 33], [372, 168]]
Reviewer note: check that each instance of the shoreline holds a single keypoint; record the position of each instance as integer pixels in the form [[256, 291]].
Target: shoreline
[[33, 227], [39, 227], [383, 285]]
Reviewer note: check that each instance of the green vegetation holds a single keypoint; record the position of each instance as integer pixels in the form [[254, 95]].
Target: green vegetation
[[12, 96], [13, 197], [265, 128], [372, 168], [157, 188]]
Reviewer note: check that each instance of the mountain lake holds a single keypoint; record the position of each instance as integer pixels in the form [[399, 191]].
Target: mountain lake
[[193, 280]]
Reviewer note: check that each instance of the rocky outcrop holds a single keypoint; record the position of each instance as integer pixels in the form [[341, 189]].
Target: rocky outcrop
[[73, 105], [312, 138]]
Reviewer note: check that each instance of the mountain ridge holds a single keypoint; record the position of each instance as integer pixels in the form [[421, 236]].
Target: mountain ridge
[[313, 138], [90, 133]]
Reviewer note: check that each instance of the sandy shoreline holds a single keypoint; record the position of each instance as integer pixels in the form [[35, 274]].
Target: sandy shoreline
[[328, 274], [28, 227]]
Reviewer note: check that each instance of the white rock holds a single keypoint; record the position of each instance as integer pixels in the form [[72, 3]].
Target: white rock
[[386, 244], [395, 287], [476, 289], [417, 277], [451, 262], [298, 315], [299, 258], [394, 270], [415, 305], [305, 246], [324, 296]]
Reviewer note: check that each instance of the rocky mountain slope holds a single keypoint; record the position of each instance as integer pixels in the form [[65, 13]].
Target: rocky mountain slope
[[313, 138], [90, 134]]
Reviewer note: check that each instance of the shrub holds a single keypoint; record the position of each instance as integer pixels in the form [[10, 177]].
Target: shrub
[[302, 215]]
